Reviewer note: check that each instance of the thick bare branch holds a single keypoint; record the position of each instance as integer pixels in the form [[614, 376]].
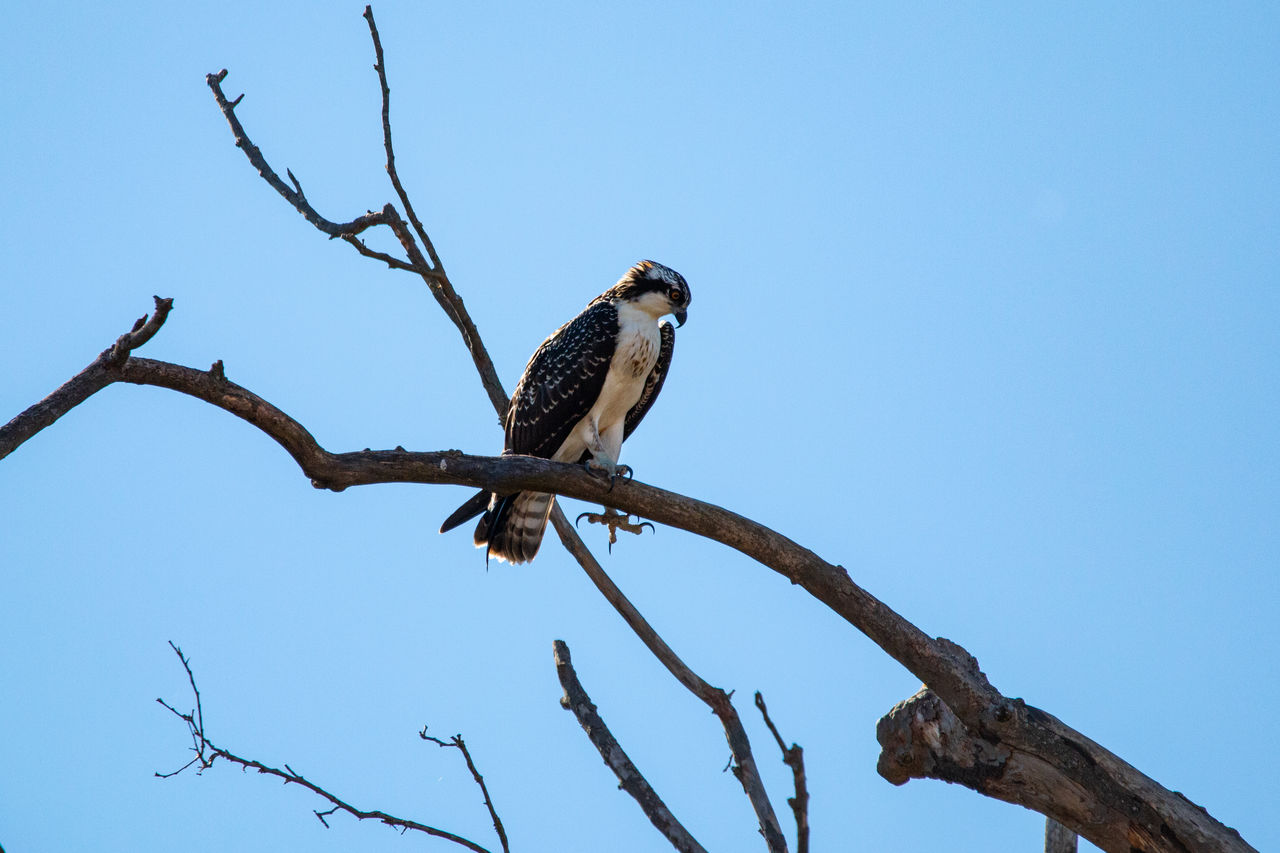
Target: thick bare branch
[[629, 778], [206, 753], [1167, 822], [1048, 767]]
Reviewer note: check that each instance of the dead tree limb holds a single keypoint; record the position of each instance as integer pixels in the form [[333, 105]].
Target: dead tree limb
[[1043, 764], [1119, 808], [207, 753], [1122, 802], [793, 757], [461, 745], [100, 373], [630, 779]]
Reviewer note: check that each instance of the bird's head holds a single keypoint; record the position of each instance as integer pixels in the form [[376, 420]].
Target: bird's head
[[656, 289]]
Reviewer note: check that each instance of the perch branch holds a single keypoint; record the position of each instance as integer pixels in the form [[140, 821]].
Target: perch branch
[[629, 778], [1168, 822], [206, 753]]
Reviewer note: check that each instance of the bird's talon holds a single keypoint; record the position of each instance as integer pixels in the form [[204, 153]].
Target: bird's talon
[[616, 521]]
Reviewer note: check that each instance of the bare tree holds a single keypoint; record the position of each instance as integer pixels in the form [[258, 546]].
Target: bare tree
[[959, 728]]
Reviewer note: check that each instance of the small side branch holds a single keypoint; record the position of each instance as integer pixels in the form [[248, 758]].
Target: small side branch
[[206, 753], [458, 743], [629, 778], [793, 757], [294, 194], [381, 67], [427, 266]]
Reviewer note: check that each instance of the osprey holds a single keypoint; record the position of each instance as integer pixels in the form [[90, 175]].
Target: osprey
[[584, 391]]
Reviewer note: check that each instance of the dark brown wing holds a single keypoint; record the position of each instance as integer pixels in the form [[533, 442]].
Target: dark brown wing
[[562, 381], [653, 384]]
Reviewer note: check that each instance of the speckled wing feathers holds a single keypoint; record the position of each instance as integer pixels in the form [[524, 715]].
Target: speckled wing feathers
[[562, 382]]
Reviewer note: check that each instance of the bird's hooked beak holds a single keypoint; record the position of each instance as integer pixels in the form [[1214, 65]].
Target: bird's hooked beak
[[680, 316]]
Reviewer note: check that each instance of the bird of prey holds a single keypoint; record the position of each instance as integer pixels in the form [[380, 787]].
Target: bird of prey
[[584, 391]]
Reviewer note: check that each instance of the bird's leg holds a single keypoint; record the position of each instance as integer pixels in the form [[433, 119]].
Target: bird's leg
[[615, 521], [601, 461]]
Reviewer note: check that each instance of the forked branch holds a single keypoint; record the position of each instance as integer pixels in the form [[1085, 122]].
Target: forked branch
[[206, 753], [458, 743], [793, 757]]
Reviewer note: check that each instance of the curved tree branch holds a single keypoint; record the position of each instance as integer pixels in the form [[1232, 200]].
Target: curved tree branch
[[1111, 787]]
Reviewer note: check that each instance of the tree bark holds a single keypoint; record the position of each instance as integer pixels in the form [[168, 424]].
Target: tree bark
[[1048, 767]]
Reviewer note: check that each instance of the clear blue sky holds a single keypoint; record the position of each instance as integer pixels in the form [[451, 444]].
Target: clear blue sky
[[986, 309]]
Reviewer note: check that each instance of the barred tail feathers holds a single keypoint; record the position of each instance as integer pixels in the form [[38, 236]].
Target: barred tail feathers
[[513, 528]]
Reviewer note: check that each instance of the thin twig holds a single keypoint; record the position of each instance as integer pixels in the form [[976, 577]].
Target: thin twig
[[458, 743], [793, 757], [390, 260], [381, 67], [629, 778], [207, 752]]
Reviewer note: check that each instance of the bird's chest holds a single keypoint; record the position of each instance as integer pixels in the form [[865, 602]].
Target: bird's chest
[[637, 350], [634, 355]]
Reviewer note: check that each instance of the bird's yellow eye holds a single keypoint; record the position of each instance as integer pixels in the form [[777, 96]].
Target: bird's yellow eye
[[675, 295]]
